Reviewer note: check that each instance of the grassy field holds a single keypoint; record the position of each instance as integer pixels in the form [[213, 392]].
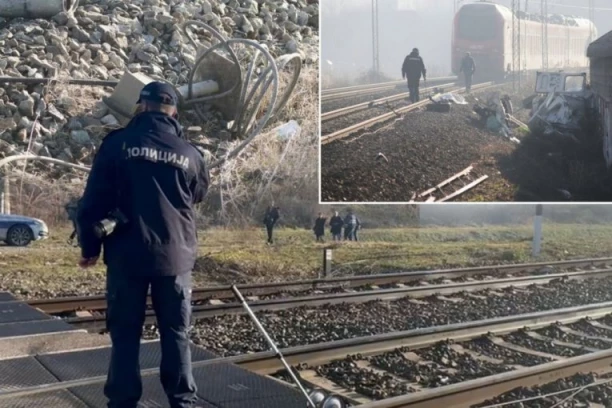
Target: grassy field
[[49, 268]]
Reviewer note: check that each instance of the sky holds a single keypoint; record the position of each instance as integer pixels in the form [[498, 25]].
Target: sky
[[346, 31]]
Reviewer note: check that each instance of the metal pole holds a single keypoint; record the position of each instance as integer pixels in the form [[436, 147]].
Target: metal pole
[[327, 262], [375, 42], [7, 195], [537, 230], [544, 16], [272, 345]]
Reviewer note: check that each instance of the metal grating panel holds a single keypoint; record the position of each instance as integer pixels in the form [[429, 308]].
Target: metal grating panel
[[6, 297], [23, 372], [34, 327], [152, 395], [93, 363], [230, 386], [55, 399], [11, 312]]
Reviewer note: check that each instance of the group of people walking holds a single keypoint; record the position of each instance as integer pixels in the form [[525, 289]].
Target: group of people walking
[[350, 224]]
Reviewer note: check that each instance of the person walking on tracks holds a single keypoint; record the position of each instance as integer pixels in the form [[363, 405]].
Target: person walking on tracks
[[412, 69], [319, 227], [270, 219], [468, 67], [153, 177], [336, 224]]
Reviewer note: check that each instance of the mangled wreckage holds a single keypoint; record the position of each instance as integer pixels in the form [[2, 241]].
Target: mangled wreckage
[[560, 106]]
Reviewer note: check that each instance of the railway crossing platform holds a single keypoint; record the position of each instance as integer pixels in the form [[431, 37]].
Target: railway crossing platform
[[45, 362]]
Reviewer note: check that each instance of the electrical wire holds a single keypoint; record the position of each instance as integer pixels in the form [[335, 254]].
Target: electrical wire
[[244, 122]]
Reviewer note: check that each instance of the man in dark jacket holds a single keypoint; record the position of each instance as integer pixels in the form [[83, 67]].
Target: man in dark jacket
[[151, 175], [468, 67], [412, 69], [336, 224], [270, 218], [319, 227]]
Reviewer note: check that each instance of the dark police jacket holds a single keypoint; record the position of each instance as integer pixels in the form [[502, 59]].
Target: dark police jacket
[[336, 224], [271, 217], [413, 67], [154, 176], [468, 65]]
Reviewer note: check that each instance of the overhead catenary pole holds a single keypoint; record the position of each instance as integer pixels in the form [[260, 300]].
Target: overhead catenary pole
[[592, 20], [544, 17], [375, 41]]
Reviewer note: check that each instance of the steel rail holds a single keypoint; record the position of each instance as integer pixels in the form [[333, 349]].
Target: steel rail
[[205, 311], [357, 87], [365, 89], [468, 393], [316, 354], [342, 133], [68, 304], [366, 105]]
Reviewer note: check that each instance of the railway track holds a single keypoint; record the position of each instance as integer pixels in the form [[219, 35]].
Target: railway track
[[359, 90], [364, 125], [375, 103], [97, 321], [218, 294], [401, 363]]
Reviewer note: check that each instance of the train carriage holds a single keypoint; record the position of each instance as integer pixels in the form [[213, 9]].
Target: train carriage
[[485, 30]]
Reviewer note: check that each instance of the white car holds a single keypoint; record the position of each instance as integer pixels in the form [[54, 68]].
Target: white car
[[17, 230]]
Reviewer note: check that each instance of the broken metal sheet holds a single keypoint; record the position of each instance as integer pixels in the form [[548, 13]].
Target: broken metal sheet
[[560, 114], [560, 82]]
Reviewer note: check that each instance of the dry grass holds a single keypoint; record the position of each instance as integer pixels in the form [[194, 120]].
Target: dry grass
[[49, 267]]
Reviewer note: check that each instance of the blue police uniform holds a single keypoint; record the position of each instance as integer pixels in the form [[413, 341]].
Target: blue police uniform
[[154, 177]]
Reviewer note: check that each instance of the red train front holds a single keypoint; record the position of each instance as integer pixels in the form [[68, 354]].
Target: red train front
[[479, 29], [485, 30]]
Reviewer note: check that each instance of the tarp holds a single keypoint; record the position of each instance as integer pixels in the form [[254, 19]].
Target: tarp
[[449, 97]]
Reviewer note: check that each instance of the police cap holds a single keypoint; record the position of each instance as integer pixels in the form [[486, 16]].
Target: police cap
[[159, 92]]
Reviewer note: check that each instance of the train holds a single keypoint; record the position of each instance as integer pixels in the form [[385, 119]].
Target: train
[[485, 30]]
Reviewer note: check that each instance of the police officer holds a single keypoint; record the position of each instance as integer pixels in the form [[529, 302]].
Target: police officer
[[151, 174], [270, 218], [412, 69], [468, 67]]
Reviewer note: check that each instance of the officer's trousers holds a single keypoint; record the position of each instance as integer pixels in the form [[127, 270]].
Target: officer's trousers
[[270, 230], [348, 233], [413, 87], [126, 297], [468, 81]]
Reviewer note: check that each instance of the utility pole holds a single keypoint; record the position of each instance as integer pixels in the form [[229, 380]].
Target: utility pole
[[516, 45], [544, 16], [592, 19], [525, 31], [375, 44]]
